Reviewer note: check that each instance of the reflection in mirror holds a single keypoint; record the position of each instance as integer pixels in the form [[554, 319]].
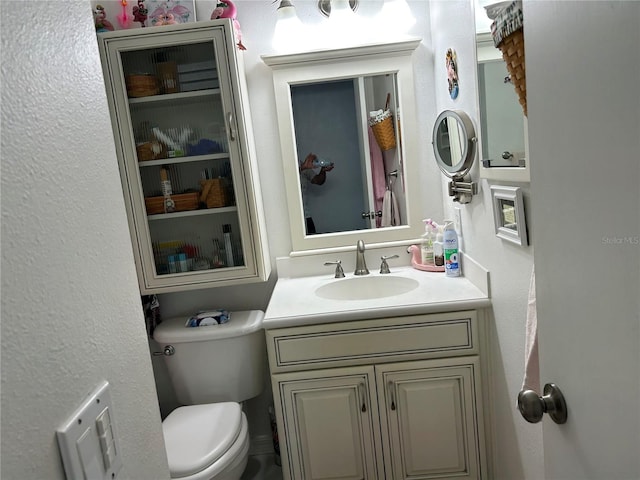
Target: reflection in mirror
[[354, 190], [324, 101], [502, 126], [501, 117]]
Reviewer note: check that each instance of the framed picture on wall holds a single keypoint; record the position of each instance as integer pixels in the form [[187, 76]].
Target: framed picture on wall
[[508, 214]]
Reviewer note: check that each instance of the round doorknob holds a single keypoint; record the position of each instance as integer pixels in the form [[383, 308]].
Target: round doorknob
[[532, 406]]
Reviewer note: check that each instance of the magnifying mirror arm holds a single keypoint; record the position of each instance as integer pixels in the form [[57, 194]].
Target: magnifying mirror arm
[[462, 189]]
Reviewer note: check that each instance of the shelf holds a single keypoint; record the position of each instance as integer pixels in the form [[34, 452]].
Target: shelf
[[175, 96], [192, 213], [176, 160]]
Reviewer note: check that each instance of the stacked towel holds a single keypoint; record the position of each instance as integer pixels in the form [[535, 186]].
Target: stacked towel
[[210, 317]]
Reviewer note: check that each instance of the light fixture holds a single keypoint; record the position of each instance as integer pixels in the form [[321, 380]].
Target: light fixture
[[344, 26], [287, 35], [325, 6], [398, 14]]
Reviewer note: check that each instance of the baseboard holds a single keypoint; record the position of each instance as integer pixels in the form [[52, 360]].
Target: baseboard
[[261, 445]]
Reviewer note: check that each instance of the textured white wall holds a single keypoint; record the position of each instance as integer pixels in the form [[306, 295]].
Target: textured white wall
[[517, 444], [71, 313]]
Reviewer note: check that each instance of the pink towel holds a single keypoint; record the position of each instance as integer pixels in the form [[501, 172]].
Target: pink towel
[[531, 379], [377, 172]]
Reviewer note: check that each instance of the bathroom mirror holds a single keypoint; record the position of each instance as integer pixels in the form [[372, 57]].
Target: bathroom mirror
[[454, 143], [502, 130], [454, 146], [324, 100]]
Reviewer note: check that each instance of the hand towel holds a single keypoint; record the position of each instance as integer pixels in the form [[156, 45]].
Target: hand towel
[[531, 379], [390, 211], [377, 174]]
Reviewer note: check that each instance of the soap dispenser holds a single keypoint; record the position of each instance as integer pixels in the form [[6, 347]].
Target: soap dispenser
[[426, 244]]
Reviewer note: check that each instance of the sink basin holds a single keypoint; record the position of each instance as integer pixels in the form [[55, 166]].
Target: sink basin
[[366, 288]]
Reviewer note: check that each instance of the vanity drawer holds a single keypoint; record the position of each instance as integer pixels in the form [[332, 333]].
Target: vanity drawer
[[373, 341]]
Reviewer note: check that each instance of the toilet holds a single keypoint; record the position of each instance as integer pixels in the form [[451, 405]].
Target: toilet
[[212, 369]]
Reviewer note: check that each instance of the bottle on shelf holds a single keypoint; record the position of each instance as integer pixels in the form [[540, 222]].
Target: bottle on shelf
[[228, 244]]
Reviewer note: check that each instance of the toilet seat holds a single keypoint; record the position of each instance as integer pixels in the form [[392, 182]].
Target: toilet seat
[[202, 440]]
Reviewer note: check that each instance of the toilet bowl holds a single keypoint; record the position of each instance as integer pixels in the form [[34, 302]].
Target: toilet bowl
[[206, 442]]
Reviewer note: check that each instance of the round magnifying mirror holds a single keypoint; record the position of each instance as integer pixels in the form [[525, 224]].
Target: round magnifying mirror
[[454, 143]]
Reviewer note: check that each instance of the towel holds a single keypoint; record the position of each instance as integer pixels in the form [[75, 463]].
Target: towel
[[377, 174], [211, 317], [390, 211], [531, 379]]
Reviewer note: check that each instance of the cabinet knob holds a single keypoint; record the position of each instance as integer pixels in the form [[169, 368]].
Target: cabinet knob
[[532, 406], [391, 388]]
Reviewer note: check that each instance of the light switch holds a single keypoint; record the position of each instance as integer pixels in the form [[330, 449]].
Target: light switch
[[88, 439]]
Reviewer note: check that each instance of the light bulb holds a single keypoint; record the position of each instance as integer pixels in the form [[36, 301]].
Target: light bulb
[[344, 27], [396, 15], [287, 34]]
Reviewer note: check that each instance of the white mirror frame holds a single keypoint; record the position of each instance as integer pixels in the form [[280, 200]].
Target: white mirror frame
[[328, 65]]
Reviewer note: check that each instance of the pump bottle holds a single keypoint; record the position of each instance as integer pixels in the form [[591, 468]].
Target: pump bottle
[[451, 253], [426, 244]]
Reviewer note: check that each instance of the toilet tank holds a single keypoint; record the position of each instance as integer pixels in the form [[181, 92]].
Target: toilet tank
[[217, 363]]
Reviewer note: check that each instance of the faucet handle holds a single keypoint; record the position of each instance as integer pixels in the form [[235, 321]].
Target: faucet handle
[[384, 266], [339, 271]]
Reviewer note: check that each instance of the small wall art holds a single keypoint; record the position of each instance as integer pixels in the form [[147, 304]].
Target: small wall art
[[452, 73], [508, 214]]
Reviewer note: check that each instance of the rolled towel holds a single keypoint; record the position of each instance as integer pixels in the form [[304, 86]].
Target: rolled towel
[[209, 317]]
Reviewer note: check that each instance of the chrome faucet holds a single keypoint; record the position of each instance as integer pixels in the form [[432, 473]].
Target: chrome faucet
[[361, 264]]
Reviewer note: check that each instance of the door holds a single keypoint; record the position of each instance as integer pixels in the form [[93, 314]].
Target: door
[[428, 415], [330, 431], [584, 131]]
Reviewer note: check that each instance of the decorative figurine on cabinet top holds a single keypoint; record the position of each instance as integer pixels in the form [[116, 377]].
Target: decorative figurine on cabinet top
[[124, 19], [170, 12], [226, 9], [452, 73], [140, 13], [100, 20]]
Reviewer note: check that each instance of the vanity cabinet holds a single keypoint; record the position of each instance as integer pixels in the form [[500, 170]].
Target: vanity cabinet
[[183, 137], [392, 398]]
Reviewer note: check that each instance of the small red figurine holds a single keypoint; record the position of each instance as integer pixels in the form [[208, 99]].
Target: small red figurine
[[140, 13]]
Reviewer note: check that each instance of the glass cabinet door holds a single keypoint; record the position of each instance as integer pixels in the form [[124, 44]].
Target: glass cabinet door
[[181, 160]]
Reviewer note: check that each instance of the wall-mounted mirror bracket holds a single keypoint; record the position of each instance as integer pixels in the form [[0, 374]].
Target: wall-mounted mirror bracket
[[462, 189]]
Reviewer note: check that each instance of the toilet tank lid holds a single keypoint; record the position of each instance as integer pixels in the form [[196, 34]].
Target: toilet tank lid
[[173, 330]]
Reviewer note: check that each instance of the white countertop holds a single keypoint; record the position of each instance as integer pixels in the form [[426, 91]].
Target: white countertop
[[294, 303]]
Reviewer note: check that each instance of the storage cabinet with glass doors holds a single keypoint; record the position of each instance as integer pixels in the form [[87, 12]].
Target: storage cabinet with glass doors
[[182, 128]]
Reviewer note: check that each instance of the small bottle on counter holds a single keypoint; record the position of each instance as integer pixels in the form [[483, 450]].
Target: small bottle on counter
[[438, 249]]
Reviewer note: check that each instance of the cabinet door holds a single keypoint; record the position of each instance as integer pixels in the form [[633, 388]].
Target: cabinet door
[[429, 418], [183, 153], [330, 424]]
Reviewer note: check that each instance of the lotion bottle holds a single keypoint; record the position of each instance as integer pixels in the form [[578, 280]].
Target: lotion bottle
[[451, 253], [426, 244], [438, 248]]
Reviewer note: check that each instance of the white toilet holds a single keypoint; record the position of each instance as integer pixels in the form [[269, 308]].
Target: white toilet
[[212, 369]]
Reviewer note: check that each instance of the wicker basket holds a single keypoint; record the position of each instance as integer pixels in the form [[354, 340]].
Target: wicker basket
[[214, 193], [142, 85], [512, 48], [151, 151], [507, 31], [183, 202], [382, 126]]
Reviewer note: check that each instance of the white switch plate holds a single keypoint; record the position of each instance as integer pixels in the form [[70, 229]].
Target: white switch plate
[[457, 220], [88, 439]]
